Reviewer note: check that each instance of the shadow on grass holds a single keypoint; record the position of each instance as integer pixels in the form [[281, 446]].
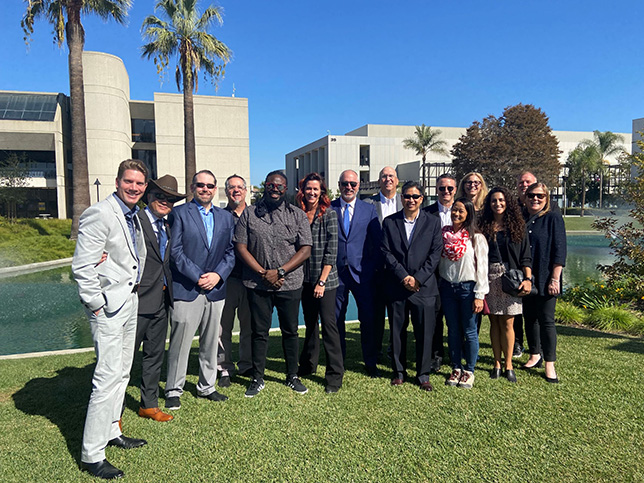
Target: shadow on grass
[[62, 399], [623, 342]]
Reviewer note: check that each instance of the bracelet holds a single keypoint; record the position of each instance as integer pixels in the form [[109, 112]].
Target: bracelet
[[554, 280]]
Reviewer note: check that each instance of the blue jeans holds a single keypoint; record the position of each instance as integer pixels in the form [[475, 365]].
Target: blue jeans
[[457, 300]]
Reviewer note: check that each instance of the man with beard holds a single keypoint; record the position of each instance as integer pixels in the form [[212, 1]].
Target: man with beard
[[273, 238]]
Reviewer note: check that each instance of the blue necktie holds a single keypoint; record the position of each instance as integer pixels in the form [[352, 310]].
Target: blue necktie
[[346, 220], [163, 237]]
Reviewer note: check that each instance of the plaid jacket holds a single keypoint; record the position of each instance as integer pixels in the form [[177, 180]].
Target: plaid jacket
[[324, 251]]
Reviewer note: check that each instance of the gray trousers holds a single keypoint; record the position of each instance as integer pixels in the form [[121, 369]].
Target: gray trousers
[[236, 299], [187, 317], [114, 335]]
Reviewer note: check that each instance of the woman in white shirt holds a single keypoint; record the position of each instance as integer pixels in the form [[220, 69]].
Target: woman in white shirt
[[463, 269]]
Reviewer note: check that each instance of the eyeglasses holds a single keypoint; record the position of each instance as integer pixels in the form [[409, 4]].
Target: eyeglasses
[[163, 197], [275, 186], [539, 196], [442, 189], [344, 184], [473, 183], [414, 196], [210, 186], [236, 187]]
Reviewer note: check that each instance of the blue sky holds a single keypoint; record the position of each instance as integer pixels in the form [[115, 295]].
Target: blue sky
[[308, 67]]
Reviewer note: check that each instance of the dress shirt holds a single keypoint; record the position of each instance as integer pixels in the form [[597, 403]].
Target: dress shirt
[[471, 267], [387, 205], [445, 214], [129, 213], [153, 221], [208, 218], [352, 207], [410, 225]]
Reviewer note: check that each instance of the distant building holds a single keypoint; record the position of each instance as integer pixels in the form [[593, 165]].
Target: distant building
[[118, 128], [371, 147]]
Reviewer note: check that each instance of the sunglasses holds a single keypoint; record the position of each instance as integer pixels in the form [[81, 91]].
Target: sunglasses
[[353, 184], [414, 196], [539, 196], [472, 183], [163, 197], [275, 186], [442, 189], [210, 186]]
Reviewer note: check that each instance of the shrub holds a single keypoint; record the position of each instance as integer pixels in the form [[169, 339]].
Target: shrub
[[615, 318], [568, 314]]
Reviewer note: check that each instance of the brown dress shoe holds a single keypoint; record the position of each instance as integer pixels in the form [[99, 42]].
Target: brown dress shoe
[[156, 414], [396, 381]]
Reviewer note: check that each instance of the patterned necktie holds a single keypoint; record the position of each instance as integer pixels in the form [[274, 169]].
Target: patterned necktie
[[162, 236], [346, 220]]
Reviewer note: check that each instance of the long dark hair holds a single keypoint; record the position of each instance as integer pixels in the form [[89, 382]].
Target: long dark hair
[[324, 201], [512, 217], [470, 225]]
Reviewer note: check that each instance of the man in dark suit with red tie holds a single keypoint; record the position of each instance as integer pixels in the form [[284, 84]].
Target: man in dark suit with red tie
[[155, 292]]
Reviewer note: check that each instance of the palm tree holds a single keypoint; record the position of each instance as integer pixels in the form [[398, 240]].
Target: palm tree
[[425, 140], [605, 144], [582, 161], [185, 34], [65, 17]]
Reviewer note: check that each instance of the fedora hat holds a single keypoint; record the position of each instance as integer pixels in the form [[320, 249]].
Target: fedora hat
[[166, 184]]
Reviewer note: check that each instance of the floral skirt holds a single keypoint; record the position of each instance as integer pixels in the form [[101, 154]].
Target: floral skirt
[[499, 302]]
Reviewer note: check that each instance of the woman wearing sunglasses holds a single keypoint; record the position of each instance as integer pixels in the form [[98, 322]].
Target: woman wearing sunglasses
[[473, 187], [547, 235], [504, 229], [463, 269], [320, 283], [411, 245]]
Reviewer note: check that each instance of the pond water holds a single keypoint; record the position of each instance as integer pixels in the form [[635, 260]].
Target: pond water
[[41, 311]]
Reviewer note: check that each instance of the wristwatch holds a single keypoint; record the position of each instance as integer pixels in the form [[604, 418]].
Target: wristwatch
[[281, 273], [321, 283]]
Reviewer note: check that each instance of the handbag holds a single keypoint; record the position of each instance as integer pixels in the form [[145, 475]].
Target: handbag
[[512, 278]]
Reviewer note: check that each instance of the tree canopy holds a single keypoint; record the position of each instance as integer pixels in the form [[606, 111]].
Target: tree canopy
[[502, 147]]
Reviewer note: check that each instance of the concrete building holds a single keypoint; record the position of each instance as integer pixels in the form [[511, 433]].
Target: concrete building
[[371, 147], [118, 128]]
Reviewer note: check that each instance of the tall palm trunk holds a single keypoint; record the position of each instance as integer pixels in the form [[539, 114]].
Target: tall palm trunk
[[80, 185], [188, 125], [583, 191]]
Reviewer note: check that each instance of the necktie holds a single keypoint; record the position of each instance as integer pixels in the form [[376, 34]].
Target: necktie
[[346, 220], [163, 237]]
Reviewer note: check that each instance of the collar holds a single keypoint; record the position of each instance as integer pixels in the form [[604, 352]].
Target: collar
[[152, 217], [343, 203], [124, 207], [386, 201], [442, 208], [202, 210], [411, 222]]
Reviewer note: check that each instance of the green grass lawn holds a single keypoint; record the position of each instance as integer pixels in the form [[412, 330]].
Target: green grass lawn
[[33, 240], [587, 428]]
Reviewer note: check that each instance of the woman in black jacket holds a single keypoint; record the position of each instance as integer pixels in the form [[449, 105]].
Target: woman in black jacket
[[547, 235], [504, 228]]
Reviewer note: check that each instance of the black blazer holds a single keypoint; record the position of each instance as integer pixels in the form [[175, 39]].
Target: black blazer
[[419, 258], [151, 293]]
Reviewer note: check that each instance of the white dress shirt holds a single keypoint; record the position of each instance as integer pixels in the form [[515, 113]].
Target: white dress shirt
[[387, 205]]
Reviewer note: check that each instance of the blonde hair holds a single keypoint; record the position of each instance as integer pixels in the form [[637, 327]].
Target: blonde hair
[[479, 199], [543, 186]]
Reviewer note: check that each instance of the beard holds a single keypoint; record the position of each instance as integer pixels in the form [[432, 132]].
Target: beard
[[272, 204]]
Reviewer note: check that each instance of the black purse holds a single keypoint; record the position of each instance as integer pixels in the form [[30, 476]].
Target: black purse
[[512, 278]]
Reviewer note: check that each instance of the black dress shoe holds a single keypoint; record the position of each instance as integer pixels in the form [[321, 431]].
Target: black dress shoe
[[373, 371], [552, 380], [496, 373], [214, 396], [102, 469], [510, 375], [224, 381], [124, 442], [535, 366], [331, 389]]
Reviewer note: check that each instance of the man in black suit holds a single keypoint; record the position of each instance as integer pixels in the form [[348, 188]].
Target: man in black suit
[[442, 208], [412, 245], [155, 292]]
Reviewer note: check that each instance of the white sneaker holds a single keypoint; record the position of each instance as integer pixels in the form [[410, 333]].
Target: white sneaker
[[454, 377], [467, 380]]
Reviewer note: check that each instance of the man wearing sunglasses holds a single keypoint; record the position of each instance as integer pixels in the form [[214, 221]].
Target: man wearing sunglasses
[[155, 292], [442, 208], [358, 256], [202, 257]]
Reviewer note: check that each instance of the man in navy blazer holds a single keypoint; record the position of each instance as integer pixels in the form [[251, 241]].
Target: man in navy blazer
[[358, 239], [202, 257]]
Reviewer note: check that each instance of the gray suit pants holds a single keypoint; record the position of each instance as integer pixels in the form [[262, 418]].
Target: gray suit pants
[[187, 317], [114, 335]]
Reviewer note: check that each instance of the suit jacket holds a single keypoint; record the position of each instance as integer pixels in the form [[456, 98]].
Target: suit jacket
[[419, 258], [357, 251], [103, 229], [152, 297], [190, 255], [432, 209], [375, 200]]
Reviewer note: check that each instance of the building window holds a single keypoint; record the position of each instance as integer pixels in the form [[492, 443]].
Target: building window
[[149, 158], [143, 131]]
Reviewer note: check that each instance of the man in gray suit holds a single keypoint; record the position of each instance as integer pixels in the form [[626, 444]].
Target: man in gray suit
[[108, 290], [387, 202]]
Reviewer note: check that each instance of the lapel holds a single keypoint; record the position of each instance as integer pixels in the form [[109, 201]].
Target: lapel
[[167, 230], [376, 199], [338, 209], [399, 205], [193, 211], [357, 212], [420, 224], [149, 232], [400, 222], [216, 233], [123, 224]]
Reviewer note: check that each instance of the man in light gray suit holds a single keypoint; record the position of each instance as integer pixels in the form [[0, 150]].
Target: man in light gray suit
[[387, 202], [108, 290]]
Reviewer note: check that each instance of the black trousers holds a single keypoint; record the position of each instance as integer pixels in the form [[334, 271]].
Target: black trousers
[[261, 304], [539, 316], [423, 319], [324, 308], [151, 330], [437, 340], [518, 329], [379, 311]]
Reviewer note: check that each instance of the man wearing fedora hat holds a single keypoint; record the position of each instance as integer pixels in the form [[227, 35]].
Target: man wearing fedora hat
[[155, 291]]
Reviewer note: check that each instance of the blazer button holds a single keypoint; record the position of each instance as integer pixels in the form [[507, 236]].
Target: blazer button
[[129, 283], [134, 267]]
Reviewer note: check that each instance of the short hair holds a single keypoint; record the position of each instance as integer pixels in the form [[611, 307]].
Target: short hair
[[543, 186], [446, 176], [412, 184], [525, 171], [134, 164], [203, 171], [234, 176], [277, 172]]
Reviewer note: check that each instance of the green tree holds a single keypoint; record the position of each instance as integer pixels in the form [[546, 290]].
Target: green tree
[[65, 17], [582, 163], [185, 34], [501, 147], [605, 144], [14, 179], [424, 141]]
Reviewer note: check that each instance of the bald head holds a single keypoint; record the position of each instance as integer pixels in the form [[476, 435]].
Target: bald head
[[388, 181]]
